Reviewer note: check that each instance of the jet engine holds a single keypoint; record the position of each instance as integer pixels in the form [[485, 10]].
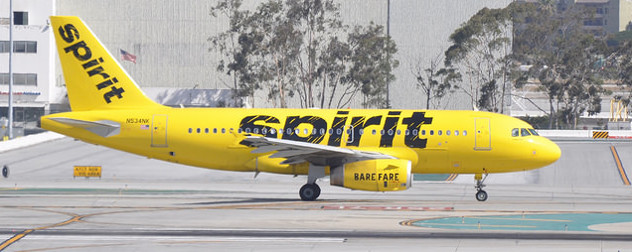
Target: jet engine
[[373, 175]]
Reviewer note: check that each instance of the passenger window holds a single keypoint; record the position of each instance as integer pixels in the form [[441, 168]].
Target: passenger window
[[239, 130], [322, 131], [407, 132], [456, 132], [524, 132], [374, 132], [198, 130], [338, 131], [331, 131], [273, 131], [423, 132], [281, 131], [439, 132], [314, 131], [431, 132], [382, 132], [248, 130], [465, 133], [289, 131], [415, 132], [264, 131], [515, 132], [255, 130], [206, 130], [447, 132], [399, 132], [390, 132], [297, 131], [361, 131], [214, 130], [190, 130], [223, 130], [533, 132]]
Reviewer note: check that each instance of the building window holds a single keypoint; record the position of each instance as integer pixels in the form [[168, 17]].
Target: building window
[[20, 18], [19, 46], [28, 79], [4, 46]]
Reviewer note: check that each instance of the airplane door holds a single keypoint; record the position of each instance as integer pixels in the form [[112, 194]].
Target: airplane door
[[350, 134], [482, 140], [159, 131]]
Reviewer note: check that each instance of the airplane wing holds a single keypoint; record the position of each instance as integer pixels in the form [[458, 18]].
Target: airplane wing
[[298, 152]]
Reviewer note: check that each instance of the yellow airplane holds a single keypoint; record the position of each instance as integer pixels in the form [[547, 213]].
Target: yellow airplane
[[372, 150]]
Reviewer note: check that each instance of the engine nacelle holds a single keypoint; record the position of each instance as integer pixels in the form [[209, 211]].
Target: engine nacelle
[[373, 175]]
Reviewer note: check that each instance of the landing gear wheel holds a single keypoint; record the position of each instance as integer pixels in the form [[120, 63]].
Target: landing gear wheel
[[480, 183], [309, 192], [481, 195], [5, 171]]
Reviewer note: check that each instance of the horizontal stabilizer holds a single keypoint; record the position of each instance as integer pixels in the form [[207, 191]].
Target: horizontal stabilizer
[[102, 128]]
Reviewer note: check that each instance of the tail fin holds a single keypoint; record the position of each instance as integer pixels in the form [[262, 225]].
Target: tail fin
[[94, 79]]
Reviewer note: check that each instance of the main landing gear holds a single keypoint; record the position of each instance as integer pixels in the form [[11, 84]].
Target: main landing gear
[[481, 195], [311, 190]]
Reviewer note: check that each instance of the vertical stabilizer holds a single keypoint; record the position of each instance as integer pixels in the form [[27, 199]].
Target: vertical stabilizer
[[94, 79]]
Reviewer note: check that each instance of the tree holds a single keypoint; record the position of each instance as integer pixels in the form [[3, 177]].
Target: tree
[[562, 55], [435, 81], [481, 47], [299, 49], [372, 63], [234, 47], [623, 63]]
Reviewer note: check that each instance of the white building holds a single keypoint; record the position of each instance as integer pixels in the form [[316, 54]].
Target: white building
[[33, 59]]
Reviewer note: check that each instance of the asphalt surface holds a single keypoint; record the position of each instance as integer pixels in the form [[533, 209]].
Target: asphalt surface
[[147, 205]]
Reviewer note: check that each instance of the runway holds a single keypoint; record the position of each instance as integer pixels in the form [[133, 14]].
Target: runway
[[149, 205]]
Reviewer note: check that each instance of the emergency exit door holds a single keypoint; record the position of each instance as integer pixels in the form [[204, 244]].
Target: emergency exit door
[[482, 140], [159, 131]]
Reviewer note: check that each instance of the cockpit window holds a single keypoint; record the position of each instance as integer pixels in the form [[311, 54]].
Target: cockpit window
[[533, 132], [524, 132], [515, 132]]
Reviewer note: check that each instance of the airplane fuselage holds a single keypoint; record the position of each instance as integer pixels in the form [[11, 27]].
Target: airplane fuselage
[[434, 141]]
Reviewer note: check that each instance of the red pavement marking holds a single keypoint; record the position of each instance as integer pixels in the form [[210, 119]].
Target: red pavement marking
[[387, 208]]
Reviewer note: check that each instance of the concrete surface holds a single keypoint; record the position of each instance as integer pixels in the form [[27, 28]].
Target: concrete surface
[[149, 205]]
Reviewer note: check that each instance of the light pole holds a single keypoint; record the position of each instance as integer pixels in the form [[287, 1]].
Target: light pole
[[10, 112], [388, 35]]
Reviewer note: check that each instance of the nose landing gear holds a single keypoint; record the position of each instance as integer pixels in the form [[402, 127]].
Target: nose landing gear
[[481, 195]]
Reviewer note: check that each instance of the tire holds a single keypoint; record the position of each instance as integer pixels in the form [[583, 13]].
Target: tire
[[309, 192], [317, 191], [481, 195]]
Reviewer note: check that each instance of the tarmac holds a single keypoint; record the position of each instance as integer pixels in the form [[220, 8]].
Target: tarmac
[[580, 203]]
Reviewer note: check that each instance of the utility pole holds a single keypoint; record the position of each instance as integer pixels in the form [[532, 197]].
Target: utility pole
[[388, 35], [10, 112]]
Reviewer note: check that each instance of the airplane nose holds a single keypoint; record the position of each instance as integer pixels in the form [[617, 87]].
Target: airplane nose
[[549, 152]]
